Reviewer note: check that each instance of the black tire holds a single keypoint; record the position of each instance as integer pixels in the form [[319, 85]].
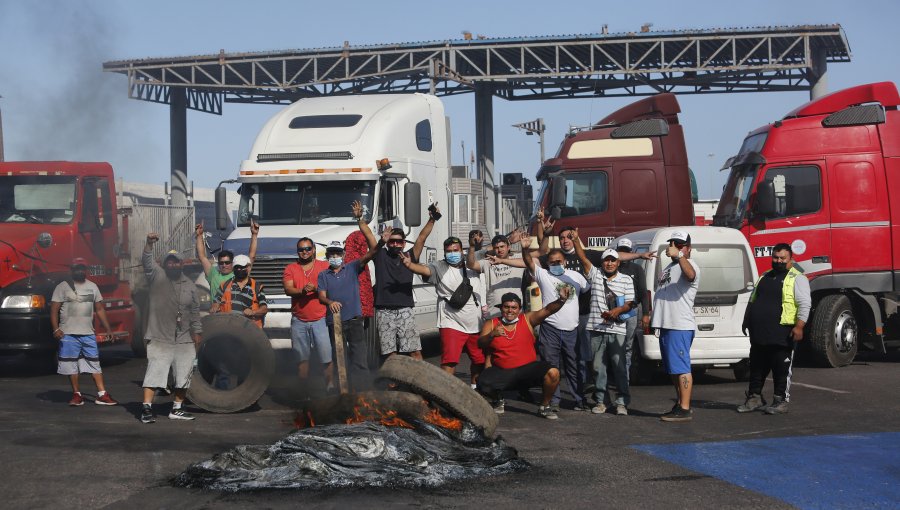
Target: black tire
[[436, 385], [643, 372], [834, 335], [741, 371], [249, 347]]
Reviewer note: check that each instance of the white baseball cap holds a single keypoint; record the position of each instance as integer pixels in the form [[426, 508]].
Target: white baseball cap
[[625, 243], [609, 252], [334, 246], [241, 260], [680, 235]]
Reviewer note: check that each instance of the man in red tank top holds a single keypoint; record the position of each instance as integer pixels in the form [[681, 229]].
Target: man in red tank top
[[514, 364]]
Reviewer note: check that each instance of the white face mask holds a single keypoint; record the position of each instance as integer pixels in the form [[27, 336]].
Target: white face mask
[[335, 261], [508, 322]]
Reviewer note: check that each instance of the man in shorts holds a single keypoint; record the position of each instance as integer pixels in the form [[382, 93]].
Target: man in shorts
[[514, 364], [395, 316], [72, 318], [673, 315], [309, 330], [173, 330]]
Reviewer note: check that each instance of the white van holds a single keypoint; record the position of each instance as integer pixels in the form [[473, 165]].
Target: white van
[[727, 276]]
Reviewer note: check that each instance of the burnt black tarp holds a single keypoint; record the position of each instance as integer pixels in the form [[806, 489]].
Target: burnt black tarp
[[360, 455]]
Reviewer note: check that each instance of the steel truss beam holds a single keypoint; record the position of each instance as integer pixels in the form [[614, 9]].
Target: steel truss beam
[[689, 62]]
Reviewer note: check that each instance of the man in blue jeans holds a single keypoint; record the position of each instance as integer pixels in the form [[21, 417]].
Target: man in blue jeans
[[673, 316]]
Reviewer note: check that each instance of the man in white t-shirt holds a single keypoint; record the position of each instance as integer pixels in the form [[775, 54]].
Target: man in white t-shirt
[[673, 316], [558, 337], [72, 310], [459, 326]]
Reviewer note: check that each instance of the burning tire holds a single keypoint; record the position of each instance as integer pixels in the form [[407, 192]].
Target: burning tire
[[834, 332], [235, 364], [438, 386]]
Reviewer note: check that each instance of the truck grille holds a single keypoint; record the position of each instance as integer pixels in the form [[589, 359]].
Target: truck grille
[[269, 272]]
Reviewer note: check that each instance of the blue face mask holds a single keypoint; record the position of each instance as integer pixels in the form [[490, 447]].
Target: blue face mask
[[557, 270], [453, 257], [335, 262]]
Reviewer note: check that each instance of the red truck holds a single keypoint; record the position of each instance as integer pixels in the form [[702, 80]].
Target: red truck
[[825, 179], [626, 173], [51, 212]]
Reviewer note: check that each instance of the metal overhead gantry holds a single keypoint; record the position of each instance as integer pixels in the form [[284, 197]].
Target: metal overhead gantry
[[761, 59]]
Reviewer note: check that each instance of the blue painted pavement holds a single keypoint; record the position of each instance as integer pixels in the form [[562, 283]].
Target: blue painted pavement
[[839, 471]]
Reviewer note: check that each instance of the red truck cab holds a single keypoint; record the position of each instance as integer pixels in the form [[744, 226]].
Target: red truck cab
[[821, 179], [50, 213], [626, 173]]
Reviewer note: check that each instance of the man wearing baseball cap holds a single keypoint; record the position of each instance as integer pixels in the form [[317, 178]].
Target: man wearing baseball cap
[[242, 294], [72, 310], [673, 316]]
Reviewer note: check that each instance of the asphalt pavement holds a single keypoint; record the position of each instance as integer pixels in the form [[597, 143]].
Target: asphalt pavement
[[836, 448]]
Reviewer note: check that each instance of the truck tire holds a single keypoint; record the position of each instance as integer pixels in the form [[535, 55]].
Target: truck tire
[[442, 388], [236, 343], [834, 336]]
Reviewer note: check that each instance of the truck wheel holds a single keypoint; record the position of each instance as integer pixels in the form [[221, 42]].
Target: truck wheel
[[442, 388], [235, 364], [834, 334]]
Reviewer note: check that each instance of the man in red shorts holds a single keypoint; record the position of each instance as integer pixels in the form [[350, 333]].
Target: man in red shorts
[[514, 365]]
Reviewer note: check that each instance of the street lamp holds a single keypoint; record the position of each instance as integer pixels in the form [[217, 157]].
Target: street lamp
[[532, 127]]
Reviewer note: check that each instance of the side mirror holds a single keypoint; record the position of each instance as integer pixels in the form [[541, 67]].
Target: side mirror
[[555, 212], [221, 208], [557, 191], [765, 199], [412, 204]]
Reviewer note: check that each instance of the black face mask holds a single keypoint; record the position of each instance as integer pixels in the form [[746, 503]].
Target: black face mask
[[173, 273], [79, 275], [240, 274], [779, 267], [395, 250]]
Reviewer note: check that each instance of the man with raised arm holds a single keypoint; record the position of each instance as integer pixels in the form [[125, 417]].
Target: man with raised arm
[[224, 270], [395, 316], [499, 278], [514, 365]]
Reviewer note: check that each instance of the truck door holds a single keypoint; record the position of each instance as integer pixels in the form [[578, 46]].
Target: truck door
[[98, 230], [587, 205], [800, 218]]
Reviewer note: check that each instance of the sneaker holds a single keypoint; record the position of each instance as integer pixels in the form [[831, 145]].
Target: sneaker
[[621, 410], [555, 408], [754, 402], [147, 415], [105, 400], [582, 407], [547, 412], [77, 400], [180, 414], [779, 406], [677, 414], [499, 406], [599, 409]]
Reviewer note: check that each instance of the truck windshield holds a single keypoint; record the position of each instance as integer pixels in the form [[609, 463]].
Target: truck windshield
[[37, 199], [304, 203], [733, 204]]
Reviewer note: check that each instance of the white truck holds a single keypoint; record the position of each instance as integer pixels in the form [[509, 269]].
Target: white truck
[[318, 155]]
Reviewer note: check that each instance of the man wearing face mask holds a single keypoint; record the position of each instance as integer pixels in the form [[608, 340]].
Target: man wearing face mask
[[458, 322], [776, 316], [173, 330], [242, 294], [74, 304], [339, 291], [557, 340], [673, 316]]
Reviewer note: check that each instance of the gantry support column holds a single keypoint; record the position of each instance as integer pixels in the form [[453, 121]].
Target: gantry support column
[[178, 144], [484, 150]]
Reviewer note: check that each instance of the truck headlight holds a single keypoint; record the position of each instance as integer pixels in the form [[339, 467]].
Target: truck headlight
[[24, 301]]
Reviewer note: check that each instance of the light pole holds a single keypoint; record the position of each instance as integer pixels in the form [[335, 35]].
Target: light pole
[[532, 127]]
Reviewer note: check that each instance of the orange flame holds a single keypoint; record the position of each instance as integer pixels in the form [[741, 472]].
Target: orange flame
[[435, 417], [303, 420], [370, 411]]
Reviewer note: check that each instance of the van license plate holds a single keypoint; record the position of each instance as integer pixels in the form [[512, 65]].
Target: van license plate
[[706, 311]]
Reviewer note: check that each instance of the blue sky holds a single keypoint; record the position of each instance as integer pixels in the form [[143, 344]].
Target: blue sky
[[57, 104]]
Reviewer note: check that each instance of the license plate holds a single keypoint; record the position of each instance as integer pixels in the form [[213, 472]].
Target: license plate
[[599, 242], [706, 311]]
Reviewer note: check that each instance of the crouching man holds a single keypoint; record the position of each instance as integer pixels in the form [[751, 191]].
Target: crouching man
[[514, 365]]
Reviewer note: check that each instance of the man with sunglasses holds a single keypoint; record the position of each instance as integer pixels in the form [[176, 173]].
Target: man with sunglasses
[[673, 316], [224, 269], [308, 328]]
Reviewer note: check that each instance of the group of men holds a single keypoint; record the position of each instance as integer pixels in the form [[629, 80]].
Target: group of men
[[592, 305]]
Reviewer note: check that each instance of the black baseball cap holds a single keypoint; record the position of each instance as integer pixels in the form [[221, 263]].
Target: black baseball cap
[[510, 296]]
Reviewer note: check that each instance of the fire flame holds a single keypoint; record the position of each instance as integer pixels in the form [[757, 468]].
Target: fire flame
[[435, 417], [303, 420], [370, 411]]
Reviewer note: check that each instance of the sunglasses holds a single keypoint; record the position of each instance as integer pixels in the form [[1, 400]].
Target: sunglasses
[[224, 262], [396, 241], [304, 249]]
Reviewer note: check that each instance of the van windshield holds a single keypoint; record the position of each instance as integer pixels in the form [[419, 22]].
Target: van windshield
[[304, 203], [723, 269]]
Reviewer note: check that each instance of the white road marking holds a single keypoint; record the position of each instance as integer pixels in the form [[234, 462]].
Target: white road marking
[[813, 386]]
